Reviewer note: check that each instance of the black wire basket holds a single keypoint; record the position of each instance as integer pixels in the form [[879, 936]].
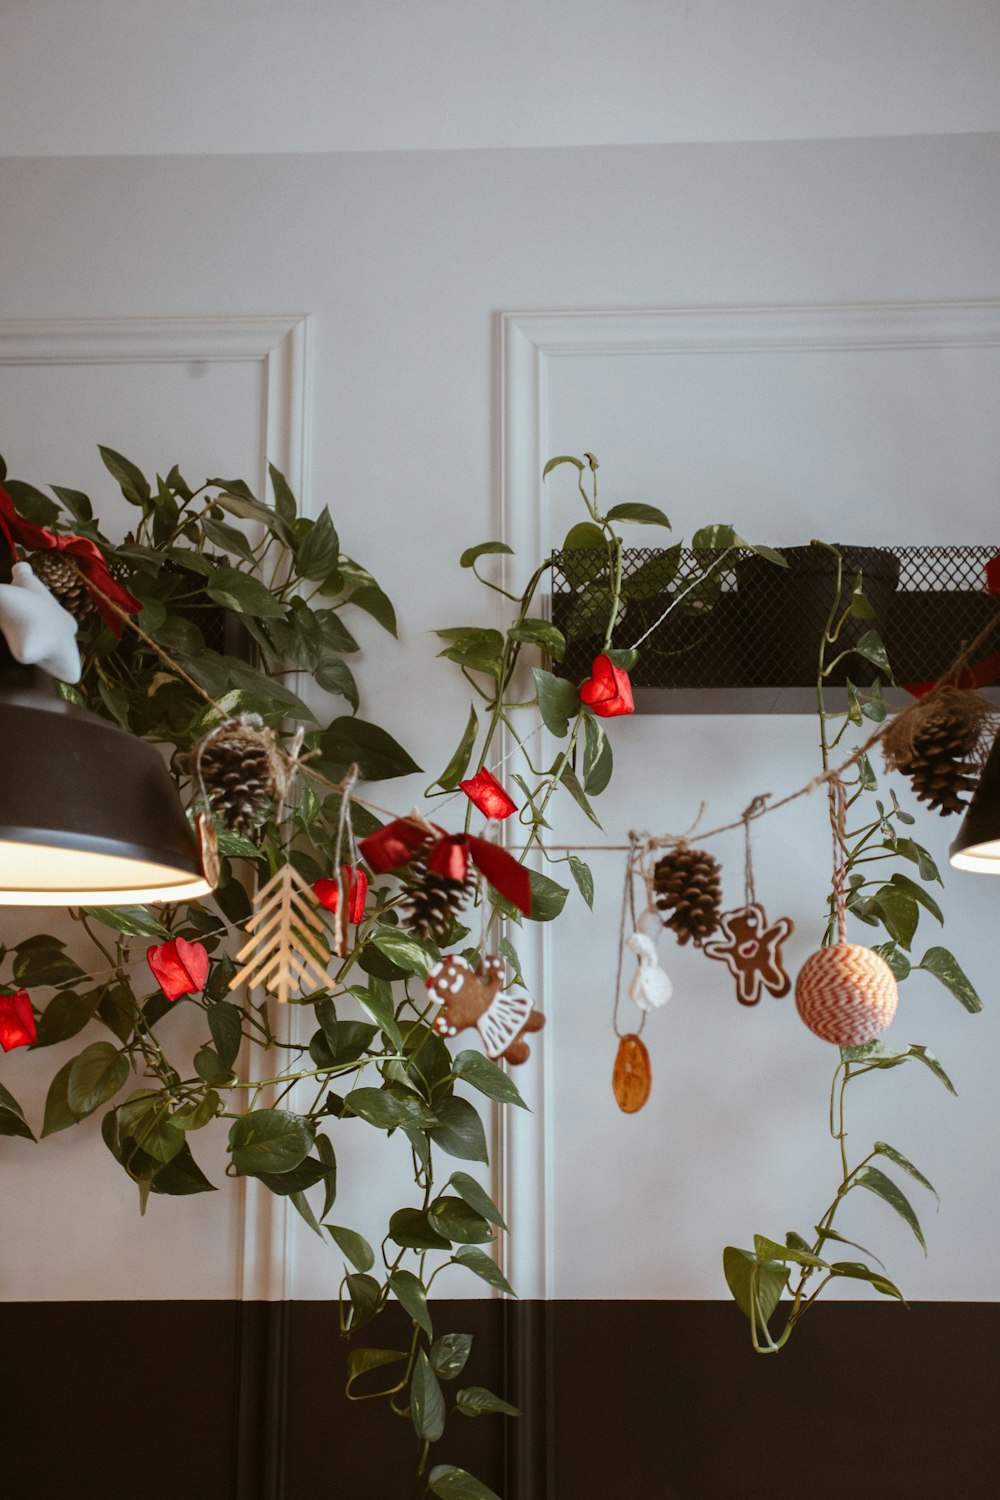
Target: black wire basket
[[703, 619]]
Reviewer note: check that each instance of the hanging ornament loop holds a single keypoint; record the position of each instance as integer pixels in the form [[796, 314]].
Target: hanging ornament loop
[[837, 798], [633, 867], [757, 806]]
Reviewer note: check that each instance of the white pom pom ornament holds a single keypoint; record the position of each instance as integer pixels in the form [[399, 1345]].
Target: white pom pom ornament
[[846, 994]]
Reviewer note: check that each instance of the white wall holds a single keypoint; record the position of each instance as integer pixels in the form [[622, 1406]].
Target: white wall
[[129, 77], [403, 261]]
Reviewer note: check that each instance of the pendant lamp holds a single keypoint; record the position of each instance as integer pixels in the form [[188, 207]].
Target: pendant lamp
[[88, 814], [977, 846]]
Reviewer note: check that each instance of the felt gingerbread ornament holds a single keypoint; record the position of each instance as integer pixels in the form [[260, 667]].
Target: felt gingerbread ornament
[[474, 997], [750, 946], [752, 951]]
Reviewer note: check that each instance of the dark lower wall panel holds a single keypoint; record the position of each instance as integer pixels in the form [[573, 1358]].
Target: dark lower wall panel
[[660, 1400]]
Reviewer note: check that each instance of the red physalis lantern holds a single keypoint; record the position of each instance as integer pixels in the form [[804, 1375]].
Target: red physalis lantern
[[17, 1021], [607, 691], [355, 883], [179, 968], [485, 792]]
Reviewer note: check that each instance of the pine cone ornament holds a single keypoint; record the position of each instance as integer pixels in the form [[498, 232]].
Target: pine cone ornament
[[934, 743], [686, 884], [434, 901], [242, 772], [65, 582]]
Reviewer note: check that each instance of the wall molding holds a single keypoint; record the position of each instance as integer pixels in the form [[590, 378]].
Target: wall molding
[[280, 345], [527, 344]]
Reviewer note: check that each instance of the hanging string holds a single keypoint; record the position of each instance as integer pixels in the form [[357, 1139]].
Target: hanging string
[[632, 867], [749, 893], [838, 828], [682, 595]]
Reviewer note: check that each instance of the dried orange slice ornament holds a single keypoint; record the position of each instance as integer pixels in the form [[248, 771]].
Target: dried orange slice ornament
[[632, 1078]]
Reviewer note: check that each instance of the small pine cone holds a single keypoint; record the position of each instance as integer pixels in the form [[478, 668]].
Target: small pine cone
[[241, 770], [687, 885], [939, 771], [934, 742], [434, 901], [63, 581]]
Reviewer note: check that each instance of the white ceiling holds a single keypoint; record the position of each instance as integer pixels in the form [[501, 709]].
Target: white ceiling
[[111, 77]]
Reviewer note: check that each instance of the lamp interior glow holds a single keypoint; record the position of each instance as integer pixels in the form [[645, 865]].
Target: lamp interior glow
[[89, 815]]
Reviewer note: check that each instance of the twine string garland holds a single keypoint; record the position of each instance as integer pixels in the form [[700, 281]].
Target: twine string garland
[[759, 807]]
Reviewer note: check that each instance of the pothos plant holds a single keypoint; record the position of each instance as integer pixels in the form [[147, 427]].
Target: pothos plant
[[873, 875], [235, 600], [228, 602]]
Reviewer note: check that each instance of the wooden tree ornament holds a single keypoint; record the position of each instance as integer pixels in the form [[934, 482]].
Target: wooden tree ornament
[[288, 950]]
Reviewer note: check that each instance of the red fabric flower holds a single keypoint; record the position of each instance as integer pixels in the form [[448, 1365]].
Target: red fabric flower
[[607, 690], [485, 792], [17, 1021], [85, 553], [355, 883], [179, 968]]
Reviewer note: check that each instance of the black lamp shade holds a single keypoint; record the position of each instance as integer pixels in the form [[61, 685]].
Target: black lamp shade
[[88, 814], [977, 846]]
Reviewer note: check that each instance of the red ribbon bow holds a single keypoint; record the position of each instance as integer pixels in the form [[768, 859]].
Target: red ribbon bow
[[17, 1021], [179, 967], [85, 553], [607, 690], [447, 854], [485, 792]]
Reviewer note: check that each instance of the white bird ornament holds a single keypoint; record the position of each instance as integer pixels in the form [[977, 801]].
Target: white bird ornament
[[650, 987], [38, 631]]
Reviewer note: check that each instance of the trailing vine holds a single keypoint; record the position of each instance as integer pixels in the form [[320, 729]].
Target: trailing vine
[[759, 1279]]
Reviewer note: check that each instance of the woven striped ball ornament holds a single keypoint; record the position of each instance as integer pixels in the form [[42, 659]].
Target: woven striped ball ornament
[[846, 995]]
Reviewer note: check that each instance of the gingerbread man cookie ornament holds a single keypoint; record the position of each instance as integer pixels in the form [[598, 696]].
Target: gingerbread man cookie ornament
[[752, 951], [473, 997]]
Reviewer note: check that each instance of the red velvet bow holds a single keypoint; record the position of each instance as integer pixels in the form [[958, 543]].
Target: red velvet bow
[[179, 968], [485, 792], [448, 854], [17, 1021], [982, 673], [607, 690], [395, 844], [355, 882], [85, 553]]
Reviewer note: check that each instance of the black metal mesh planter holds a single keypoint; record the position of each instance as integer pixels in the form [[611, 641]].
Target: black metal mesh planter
[[744, 623]]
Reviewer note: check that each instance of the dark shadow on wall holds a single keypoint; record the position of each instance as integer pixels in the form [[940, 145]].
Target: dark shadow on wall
[[662, 1400]]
